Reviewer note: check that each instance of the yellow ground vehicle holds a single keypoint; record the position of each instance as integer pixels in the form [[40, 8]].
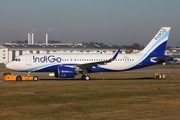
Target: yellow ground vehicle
[[8, 76]]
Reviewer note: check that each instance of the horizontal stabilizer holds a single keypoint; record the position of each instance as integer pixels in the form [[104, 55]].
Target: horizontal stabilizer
[[162, 59]]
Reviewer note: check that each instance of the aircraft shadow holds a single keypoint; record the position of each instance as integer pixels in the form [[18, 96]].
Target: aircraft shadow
[[74, 79]]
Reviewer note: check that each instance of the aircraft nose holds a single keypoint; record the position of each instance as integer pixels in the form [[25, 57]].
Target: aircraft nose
[[8, 66], [11, 66]]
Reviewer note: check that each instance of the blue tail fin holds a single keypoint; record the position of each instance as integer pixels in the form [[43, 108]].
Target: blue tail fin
[[157, 45]]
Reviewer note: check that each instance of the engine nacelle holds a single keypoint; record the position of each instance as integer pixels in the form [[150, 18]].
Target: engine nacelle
[[65, 72]]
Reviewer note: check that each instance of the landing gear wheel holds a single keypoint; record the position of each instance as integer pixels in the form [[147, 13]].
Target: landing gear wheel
[[35, 78], [18, 78], [85, 77]]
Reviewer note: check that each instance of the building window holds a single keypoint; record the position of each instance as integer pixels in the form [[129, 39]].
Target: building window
[[4, 50], [20, 52], [47, 51], [13, 54], [31, 52], [4, 57], [37, 52]]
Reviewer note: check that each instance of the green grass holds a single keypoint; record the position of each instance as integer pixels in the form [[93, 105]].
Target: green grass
[[114, 96], [93, 100]]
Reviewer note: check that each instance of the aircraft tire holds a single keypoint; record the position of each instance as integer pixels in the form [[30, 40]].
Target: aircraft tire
[[84, 77], [18, 78], [87, 78], [35, 78]]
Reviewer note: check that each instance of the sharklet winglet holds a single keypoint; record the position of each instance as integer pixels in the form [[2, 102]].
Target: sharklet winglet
[[116, 54]]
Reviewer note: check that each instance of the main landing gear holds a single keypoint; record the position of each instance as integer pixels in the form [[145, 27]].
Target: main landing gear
[[85, 75]]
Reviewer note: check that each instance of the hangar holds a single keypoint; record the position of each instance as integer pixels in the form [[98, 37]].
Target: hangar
[[10, 50]]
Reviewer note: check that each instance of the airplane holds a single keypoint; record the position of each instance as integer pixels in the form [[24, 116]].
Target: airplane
[[69, 65]]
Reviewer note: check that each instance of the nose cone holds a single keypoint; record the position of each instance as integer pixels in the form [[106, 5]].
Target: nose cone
[[11, 66], [8, 65]]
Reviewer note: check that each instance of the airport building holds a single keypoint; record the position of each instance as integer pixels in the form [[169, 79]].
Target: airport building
[[8, 51], [3, 54]]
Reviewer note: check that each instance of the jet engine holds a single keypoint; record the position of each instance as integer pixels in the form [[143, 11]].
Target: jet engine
[[65, 72]]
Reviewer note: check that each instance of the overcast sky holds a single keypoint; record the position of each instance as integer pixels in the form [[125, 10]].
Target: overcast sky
[[120, 22]]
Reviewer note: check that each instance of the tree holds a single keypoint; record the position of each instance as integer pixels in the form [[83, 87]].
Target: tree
[[136, 46]]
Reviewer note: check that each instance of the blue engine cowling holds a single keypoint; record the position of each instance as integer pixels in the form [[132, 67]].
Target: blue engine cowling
[[65, 72]]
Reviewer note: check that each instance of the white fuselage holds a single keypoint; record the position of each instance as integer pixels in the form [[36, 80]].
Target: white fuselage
[[35, 62]]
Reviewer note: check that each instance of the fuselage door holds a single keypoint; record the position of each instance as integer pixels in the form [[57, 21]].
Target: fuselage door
[[28, 60]]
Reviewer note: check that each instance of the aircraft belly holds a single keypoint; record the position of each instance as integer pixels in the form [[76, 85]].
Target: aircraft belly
[[118, 66]]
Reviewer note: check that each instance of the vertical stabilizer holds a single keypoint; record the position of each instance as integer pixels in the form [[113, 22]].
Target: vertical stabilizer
[[158, 44]]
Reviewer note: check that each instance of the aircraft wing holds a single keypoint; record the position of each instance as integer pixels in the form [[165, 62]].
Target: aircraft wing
[[94, 64]]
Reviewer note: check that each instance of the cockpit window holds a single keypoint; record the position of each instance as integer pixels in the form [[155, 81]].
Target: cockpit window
[[16, 59]]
